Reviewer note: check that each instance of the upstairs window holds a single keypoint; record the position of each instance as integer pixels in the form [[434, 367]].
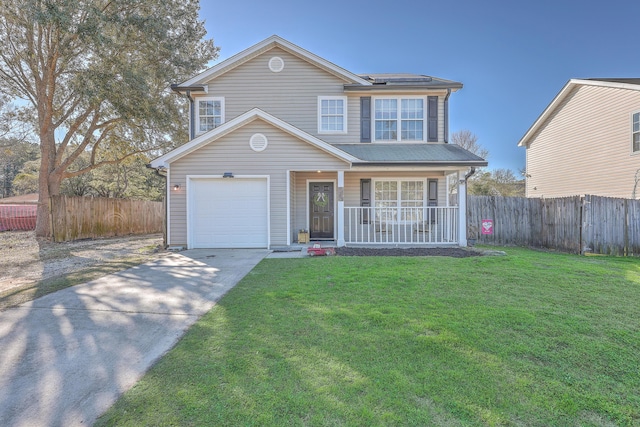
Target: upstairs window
[[635, 132], [332, 114], [209, 114], [399, 119]]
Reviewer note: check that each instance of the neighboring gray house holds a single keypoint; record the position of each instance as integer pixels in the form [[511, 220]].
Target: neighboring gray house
[[587, 141], [283, 141]]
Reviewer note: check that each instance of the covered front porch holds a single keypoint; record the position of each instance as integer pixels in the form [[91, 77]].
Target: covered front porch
[[378, 207]]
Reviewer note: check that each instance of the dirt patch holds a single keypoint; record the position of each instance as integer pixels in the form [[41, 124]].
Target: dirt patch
[[450, 252], [26, 260]]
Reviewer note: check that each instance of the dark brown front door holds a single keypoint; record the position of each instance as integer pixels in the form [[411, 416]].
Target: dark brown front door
[[321, 210]]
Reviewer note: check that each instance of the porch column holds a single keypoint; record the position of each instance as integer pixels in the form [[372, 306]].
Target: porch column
[[340, 235], [462, 211]]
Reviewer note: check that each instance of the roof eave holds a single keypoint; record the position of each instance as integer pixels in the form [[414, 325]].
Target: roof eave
[[401, 87], [424, 163], [191, 88]]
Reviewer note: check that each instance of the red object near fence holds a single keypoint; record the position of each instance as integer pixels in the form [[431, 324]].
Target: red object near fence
[[17, 217]]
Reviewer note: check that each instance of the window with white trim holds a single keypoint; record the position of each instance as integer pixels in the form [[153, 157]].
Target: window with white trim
[[332, 114], [399, 119], [391, 194], [209, 113], [635, 131]]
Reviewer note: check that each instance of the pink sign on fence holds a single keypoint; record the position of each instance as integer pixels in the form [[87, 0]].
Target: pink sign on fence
[[17, 217], [487, 226]]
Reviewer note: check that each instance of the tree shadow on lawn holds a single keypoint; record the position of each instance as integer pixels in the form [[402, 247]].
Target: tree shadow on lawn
[[69, 355]]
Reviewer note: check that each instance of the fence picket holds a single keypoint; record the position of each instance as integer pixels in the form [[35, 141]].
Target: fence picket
[[601, 225], [87, 217]]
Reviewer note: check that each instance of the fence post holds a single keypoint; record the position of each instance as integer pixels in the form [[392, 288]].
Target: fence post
[[51, 230], [625, 230], [581, 229]]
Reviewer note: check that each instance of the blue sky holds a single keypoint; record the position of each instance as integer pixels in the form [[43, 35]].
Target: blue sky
[[513, 57]]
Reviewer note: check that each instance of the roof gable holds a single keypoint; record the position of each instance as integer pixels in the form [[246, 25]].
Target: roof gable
[[240, 121], [264, 46], [628, 84]]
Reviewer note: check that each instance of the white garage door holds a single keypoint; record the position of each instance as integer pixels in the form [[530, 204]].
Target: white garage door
[[228, 213]]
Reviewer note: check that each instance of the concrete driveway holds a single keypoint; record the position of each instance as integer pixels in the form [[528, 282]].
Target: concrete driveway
[[66, 357]]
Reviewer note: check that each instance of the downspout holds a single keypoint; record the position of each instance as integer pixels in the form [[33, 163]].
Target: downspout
[[191, 116], [164, 199], [470, 174], [466, 195], [192, 113], [446, 117]]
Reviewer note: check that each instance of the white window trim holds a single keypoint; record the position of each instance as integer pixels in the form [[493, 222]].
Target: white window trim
[[344, 115], [196, 106], [425, 189], [399, 119], [633, 152]]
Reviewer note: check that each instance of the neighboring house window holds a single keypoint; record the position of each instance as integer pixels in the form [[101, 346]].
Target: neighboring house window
[[398, 194], [635, 132], [332, 114], [404, 114], [209, 113]]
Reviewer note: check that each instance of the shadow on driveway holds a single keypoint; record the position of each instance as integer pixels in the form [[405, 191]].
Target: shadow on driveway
[[66, 357]]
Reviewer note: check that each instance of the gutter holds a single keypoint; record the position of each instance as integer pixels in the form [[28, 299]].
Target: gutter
[[186, 90], [428, 163], [400, 87]]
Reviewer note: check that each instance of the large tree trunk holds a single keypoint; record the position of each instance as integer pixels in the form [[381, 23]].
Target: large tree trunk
[[49, 181], [43, 228]]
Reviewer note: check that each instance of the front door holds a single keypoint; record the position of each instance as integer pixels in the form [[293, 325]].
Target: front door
[[321, 210]]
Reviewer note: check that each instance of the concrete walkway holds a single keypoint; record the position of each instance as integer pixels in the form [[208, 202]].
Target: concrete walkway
[[66, 357]]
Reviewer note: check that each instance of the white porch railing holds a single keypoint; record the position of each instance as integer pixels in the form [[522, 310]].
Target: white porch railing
[[414, 225]]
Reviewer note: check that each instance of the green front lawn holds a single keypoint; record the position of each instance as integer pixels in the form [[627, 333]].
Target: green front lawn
[[532, 339]]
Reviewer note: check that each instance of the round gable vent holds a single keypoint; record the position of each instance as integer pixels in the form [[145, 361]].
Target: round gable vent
[[258, 142], [276, 64]]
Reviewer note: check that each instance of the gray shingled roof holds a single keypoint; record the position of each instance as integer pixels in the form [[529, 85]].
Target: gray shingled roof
[[632, 81], [418, 154], [405, 80]]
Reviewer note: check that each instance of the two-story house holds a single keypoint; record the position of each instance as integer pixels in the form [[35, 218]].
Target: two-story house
[[284, 140], [587, 141]]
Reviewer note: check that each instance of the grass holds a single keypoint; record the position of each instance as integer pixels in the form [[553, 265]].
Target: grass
[[532, 339]]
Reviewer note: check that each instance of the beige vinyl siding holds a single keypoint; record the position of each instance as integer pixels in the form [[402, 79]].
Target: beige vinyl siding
[[291, 95], [232, 153], [441, 119], [585, 146]]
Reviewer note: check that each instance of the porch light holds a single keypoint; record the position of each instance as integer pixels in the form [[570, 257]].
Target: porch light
[[228, 175], [176, 187]]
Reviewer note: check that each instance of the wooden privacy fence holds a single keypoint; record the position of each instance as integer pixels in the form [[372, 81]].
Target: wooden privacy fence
[[74, 218], [589, 224]]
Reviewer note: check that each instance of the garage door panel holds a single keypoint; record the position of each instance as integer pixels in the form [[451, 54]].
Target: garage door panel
[[228, 213]]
